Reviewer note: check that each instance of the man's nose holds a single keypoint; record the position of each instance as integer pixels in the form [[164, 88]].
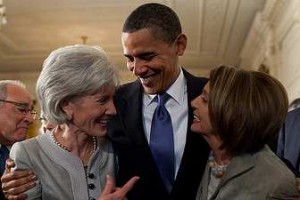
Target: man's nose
[[29, 118], [139, 67]]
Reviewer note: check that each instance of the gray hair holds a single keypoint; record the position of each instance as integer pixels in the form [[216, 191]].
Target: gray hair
[[3, 87], [71, 72]]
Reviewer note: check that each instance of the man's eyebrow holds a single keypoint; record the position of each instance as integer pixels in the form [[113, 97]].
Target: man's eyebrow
[[145, 54], [22, 103]]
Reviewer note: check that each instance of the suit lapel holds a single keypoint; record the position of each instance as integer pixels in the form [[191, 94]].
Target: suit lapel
[[130, 107], [191, 167], [238, 166], [194, 88], [203, 188]]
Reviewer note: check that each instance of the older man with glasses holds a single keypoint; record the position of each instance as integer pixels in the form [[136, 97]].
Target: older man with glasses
[[16, 114]]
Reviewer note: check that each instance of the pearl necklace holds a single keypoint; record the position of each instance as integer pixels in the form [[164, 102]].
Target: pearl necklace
[[65, 148], [216, 169]]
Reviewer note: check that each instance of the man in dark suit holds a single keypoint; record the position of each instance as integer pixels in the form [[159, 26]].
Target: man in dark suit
[[152, 42], [288, 146], [16, 114]]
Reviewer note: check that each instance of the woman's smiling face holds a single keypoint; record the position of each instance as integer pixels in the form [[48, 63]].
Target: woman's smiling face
[[91, 113], [201, 123]]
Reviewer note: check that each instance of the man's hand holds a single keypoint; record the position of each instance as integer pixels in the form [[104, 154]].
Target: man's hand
[[110, 192], [15, 183], [298, 186]]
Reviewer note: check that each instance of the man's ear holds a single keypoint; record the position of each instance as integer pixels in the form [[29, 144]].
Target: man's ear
[[181, 43]]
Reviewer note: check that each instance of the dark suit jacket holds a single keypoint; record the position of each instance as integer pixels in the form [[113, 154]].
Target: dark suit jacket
[[289, 139], [2, 160], [1, 194], [134, 154]]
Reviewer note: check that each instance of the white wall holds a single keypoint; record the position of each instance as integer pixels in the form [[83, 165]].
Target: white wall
[[274, 40]]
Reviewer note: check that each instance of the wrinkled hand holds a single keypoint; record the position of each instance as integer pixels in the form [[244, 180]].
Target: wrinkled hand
[[15, 183], [298, 186], [111, 192]]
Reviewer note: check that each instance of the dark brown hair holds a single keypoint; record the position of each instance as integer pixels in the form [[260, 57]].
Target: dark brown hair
[[161, 20], [247, 108]]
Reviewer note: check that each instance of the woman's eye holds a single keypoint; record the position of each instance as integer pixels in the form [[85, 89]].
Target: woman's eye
[[102, 100], [204, 99]]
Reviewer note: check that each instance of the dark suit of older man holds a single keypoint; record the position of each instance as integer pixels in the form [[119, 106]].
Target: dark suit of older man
[[289, 139]]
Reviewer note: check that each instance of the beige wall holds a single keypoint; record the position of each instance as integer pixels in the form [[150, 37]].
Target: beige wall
[[274, 41]]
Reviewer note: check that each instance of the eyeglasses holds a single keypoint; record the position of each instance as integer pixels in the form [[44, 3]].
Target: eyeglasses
[[22, 108], [42, 119]]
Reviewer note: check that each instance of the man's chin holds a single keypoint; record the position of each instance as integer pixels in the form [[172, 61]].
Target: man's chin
[[150, 90], [19, 138], [21, 135]]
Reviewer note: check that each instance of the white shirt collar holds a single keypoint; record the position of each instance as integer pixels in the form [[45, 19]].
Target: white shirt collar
[[176, 91]]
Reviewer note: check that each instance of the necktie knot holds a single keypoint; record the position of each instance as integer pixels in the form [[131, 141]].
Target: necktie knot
[[163, 98]]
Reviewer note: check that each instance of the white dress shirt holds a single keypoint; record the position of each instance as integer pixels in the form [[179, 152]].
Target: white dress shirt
[[177, 106]]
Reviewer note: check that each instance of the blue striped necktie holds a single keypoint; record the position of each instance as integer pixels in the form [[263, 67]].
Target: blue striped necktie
[[162, 142], [4, 154]]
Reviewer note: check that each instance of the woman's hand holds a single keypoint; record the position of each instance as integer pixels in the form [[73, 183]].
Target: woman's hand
[[111, 192]]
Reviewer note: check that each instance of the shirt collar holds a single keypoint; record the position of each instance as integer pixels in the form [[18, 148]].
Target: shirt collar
[[176, 91]]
